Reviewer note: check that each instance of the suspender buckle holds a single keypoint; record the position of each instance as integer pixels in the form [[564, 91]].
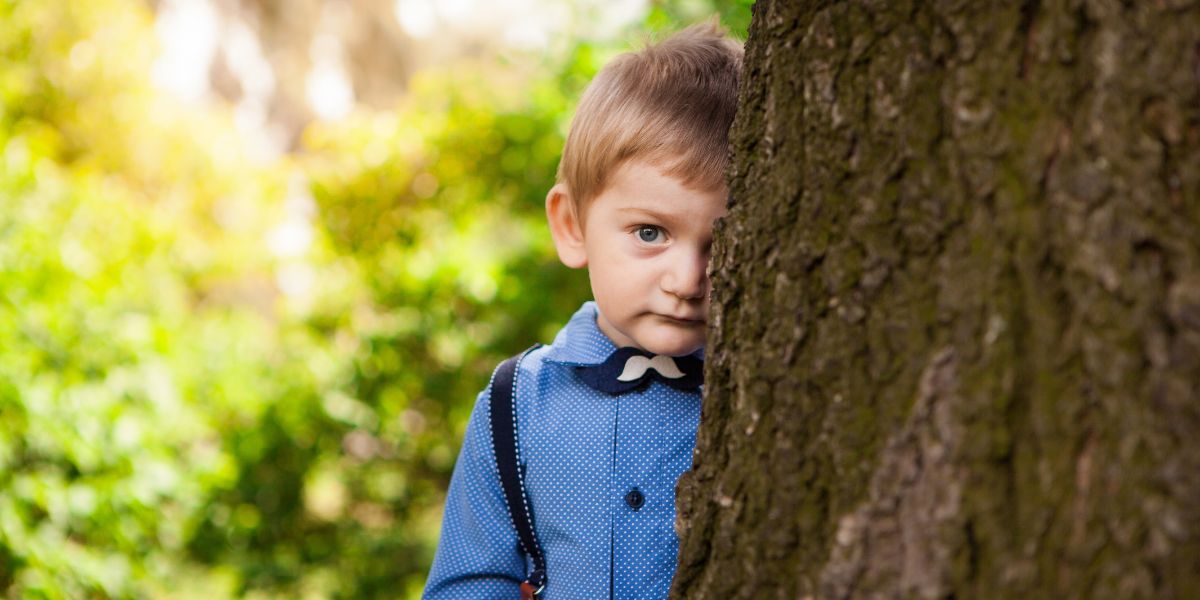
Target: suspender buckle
[[528, 592]]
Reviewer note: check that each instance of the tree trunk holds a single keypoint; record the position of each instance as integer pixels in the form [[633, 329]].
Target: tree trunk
[[955, 336]]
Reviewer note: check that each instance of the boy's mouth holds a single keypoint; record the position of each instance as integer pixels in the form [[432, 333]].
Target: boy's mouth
[[688, 321]]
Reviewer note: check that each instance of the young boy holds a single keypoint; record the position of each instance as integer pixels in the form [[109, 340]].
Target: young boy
[[606, 416]]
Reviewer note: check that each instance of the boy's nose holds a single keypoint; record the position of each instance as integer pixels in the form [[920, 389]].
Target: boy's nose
[[687, 276]]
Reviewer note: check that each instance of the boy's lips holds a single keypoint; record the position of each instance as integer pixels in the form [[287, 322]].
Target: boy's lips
[[687, 320]]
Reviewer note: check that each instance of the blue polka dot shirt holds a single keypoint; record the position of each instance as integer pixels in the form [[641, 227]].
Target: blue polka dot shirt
[[600, 472]]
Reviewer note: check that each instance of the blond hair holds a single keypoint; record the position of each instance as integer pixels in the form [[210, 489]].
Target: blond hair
[[669, 104]]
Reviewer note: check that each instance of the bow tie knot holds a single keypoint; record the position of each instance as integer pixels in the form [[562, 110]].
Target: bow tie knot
[[629, 368], [636, 366]]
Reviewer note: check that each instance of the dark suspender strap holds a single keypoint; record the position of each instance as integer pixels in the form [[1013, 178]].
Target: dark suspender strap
[[503, 415]]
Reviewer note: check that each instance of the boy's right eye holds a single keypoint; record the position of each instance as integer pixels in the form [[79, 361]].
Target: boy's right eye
[[649, 234]]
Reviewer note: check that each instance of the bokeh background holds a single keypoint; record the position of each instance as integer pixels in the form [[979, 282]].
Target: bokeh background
[[257, 258]]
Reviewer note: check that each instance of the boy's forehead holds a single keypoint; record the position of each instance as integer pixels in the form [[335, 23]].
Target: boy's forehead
[[644, 189], [648, 177]]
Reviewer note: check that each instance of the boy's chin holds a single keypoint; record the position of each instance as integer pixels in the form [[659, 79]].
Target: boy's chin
[[670, 343]]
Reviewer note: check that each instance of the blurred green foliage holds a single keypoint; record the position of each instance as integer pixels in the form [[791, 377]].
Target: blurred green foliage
[[185, 413]]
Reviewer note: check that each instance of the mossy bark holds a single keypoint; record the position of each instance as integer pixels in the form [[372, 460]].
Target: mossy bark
[[955, 335]]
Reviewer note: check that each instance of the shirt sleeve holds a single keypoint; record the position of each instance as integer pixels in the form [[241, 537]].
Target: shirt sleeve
[[477, 555]]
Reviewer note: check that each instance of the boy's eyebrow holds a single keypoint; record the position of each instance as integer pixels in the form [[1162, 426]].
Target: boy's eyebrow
[[646, 211]]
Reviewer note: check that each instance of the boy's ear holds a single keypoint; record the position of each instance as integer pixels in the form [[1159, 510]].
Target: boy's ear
[[565, 227]]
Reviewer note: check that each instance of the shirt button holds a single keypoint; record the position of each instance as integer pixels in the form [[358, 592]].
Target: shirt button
[[635, 499]]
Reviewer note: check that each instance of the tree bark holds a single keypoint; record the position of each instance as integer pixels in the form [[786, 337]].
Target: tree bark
[[955, 337]]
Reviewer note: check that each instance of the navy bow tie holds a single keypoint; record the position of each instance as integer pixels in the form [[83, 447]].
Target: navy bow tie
[[629, 368]]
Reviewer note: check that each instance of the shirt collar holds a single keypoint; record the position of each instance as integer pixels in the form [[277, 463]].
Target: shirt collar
[[581, 342]]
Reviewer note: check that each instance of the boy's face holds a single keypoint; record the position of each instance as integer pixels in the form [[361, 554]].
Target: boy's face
[[646, 241]]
